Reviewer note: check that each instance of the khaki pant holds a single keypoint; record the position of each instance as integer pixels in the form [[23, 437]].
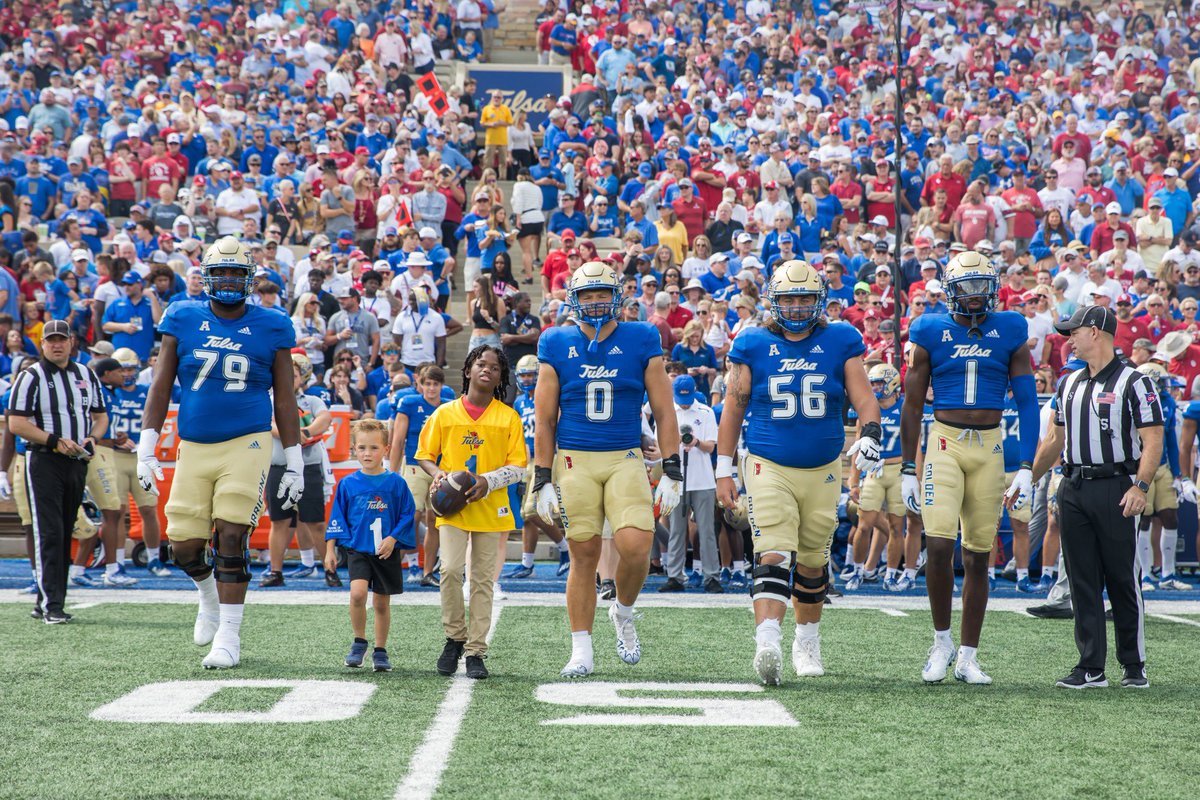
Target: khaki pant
[[483, 573]]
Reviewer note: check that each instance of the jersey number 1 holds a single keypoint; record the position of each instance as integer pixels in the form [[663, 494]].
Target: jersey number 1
[[969, 393], [235, 368]]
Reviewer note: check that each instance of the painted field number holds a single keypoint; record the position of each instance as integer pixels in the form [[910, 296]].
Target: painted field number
[[175, 702], [737, 712]]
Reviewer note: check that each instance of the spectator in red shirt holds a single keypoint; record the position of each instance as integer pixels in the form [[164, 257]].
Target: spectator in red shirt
[[954, 184], [556, 261], [1102, 236], [678, 316], [1157, 319], [160, 169], [1129, 327], [690, 209], [1025, 209], [1183, 357], [849, 191], [662, 306], [854, 314], [1011, 293]]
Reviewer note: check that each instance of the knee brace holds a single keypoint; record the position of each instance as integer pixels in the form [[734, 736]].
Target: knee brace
[[196, 568], [771, 580], [819, 585], [230, 568]]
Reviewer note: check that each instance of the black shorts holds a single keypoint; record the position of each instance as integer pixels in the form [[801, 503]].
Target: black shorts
[[311, 507], [530, 229], [383, 575]]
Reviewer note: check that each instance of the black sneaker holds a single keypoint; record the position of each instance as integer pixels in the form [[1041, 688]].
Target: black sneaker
[[1134, 677], [271, 579], [332, 580], [37, 613], [672, 585], [475, 668], [55, 618], [713, 586], [608, 590], [1050, 612], [1081, 678], [431, 580], [447, 663], [657, 569]]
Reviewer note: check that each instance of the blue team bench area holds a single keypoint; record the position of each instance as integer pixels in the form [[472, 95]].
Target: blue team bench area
[[14, 576]]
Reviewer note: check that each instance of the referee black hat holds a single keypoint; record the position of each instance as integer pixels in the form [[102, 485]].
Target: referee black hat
[[57, 327], [1090, 317]]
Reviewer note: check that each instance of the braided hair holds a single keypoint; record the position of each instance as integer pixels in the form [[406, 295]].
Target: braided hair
[[502, 386]]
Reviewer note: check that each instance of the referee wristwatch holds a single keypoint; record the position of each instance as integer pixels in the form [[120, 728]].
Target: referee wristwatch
[[1145, 487]]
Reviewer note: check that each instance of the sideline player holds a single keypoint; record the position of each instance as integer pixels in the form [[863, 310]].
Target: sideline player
[[410, 418], [1166, 489], [1018, 518], [1187, 454], [971, 355], [595, 374], [793, 376], [882, 489], [228, 356], [527, 372]]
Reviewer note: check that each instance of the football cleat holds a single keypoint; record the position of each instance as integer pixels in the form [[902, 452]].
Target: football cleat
[[158, 569], [608, 590], [695, 579], [806, 657], [1148, 585], [564, 563], [847, 572], [768, 663], [415, 573], [628, 646], [358, 651], [271, 579], [83, 581], [302, 571], [871, 575], [971, 672], [520, 572], [889, 584], [1172, 584], [381, 663], [223, 656], [37, 613], [855, 581], [205, 628], [905, 583], [32, 588], [1027, 586], [1081, 678], [576, 669], [118, 580], [938, 663], [738, 582], [1044, 584], [726, 574], [991, 583]]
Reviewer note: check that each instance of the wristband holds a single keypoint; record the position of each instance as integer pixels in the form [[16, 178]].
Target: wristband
[[52, 441], [294, 457], [1026, 465], [147, 444], [908, 468], [872, 430], [671, 468], [724, 467], [541, 476]]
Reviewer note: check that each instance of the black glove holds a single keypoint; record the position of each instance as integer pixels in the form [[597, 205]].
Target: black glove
[[872, 430], [672, 469], [541, 476]]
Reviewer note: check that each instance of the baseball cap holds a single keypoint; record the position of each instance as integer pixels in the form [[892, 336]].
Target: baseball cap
[[235, 174], [57, 327], [1112, 208], [102, 349], [345, 235], [1125, 299], [879, 219], [934, 287], [744, 237], [427, 233], [685, 390], [174, 138], [1090, 317], [131, 278], [418, 259], [568, 234], [81, 255], [1155, 202], [346, 291], [862, 286]]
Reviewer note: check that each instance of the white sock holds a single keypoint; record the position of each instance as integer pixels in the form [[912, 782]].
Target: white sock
[[807, 630], [991, 572], [1167, 546], [229, 630], [561, 544], [581, 647], [623, 611], [1145, 553], [111, 569], [1051, 571], [892, 574], [306, 557], [943, 638], [966, 653], [209, 604], [768, 631], [120, 555], [743, 566], [526, 559], [74, 571], [1022, 574], [911, 574]]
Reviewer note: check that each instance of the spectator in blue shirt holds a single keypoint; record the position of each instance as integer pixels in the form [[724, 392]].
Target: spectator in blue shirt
[[567, 218], [130, 321], [548, 177], [1177, 205], [37, 187]]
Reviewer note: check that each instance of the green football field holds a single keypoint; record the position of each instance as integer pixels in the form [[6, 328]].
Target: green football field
[[115, 705]]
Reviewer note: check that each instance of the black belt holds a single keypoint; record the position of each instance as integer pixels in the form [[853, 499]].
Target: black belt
[[1102, 471]]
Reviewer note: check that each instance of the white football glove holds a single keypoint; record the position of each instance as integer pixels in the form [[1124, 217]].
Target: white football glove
[[1185, 489], [866, 452], [291, 485], [5, 487], [547, 504], [1021, 489], [149, 471], [666, 495], [910, 490]]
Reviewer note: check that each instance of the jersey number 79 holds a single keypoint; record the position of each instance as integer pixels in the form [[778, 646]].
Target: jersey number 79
[[235, 368]]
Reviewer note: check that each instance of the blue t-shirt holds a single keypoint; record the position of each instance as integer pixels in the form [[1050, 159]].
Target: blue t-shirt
[[369, 508], [225, 369], [417, 409], [970, 371], [124, 310], [601, 390], [797, 392]]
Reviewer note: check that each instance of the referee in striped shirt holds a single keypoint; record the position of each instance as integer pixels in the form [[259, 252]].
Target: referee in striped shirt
[[57, 406], [1108, 427]]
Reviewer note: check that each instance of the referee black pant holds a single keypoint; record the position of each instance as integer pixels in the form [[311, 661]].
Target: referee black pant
[[55, 486], [1099, 546]]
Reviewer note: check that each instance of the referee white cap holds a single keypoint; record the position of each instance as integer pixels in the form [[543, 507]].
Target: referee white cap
[[1090, 317]]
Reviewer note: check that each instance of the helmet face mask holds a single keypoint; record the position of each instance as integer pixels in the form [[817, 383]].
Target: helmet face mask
[[797, 279], [228, 272], [527, 373], [591, 279], [971, 286]]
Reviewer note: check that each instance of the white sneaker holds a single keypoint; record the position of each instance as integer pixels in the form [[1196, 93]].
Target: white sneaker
[[1148, 586], [628, 646], [119, 581], [1172, 584], [223, 656], [806, 657], [768, 663], [577, 667], [205, 628], [971, 672], [940, 658], [497, 592]]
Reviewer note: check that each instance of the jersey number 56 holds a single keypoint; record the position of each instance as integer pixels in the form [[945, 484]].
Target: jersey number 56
[[811, 401]]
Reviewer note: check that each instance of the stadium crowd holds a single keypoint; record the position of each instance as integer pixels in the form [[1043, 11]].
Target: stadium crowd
[[700, 146]]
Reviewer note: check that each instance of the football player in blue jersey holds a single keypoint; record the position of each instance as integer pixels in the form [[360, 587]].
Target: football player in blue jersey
[[526, 375], [588, 456], [1018, 518], [1188, 428], [410, 417], [228, 355], [793, 376], [1166, 490], [972, 355], [876, 490]]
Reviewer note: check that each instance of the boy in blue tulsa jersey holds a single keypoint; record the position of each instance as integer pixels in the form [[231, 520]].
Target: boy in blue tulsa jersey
[[228, 356], [411, 413], [526, 375], [588, 425], [793, 377], [372, 516], [1166, 490], [972, 355]]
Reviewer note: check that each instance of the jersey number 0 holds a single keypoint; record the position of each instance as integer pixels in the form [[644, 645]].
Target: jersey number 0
[[235, 368]]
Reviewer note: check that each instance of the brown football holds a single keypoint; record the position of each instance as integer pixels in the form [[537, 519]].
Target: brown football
[[451, 496]]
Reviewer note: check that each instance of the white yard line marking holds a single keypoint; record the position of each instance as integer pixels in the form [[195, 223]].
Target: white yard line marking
[[893, 612], [430, 759], [1180, 620], [78, 606]]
